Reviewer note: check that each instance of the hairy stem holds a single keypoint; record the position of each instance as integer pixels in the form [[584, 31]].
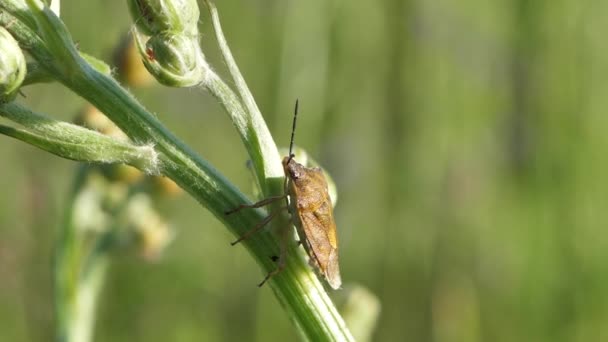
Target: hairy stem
[[297, 287]]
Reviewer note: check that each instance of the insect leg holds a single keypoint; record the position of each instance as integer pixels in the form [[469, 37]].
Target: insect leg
[[285, 233], [259, 226], [257, 204]]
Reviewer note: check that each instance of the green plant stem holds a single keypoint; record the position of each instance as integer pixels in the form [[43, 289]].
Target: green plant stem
[[260, 146], [75, 142], [78, 275], [79, 319], [36, 74], [266, 158], [297, 287]]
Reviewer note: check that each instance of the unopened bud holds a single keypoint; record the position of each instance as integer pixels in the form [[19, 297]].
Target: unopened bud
[[175, 60], [92, 118], [12, 66], [153, 234], [156, 16], [131, 70], [124, 174], [164, 186]]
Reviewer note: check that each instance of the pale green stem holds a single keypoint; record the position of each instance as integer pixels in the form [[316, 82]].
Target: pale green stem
[[297, 287], [269, 164], [78, 274]]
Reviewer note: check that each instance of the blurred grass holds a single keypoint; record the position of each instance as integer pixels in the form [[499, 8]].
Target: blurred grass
[[467, 140]]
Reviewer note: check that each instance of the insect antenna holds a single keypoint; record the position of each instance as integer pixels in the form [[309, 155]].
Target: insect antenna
[[293, 131]]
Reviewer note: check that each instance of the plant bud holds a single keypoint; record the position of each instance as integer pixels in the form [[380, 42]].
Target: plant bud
[[151, 231], [174, 59], [131, 70], [156, 16], [164, 186], [124, 174], [92, 118], [12, 66]]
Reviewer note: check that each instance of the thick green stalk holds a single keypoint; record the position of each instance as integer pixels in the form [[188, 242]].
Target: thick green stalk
[[297, 287]]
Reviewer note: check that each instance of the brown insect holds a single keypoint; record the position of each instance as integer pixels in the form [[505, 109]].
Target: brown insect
[[308, 202]]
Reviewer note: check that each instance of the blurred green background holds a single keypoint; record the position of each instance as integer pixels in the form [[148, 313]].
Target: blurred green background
[[468, 143]]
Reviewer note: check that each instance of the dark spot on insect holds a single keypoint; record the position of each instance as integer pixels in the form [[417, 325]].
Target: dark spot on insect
[[274, 258]]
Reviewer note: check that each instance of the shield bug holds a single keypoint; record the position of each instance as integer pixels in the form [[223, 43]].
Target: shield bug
[[307, 200]]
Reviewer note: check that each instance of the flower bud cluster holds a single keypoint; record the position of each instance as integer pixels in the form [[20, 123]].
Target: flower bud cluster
[[156, 16], [171, 53], [151, 232]]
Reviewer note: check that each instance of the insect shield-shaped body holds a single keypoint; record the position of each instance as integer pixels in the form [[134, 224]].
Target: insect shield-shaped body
[[313, 215], [311, 211]]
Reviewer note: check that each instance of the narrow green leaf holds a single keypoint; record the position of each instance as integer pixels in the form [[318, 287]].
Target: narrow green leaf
[[74, 142]]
